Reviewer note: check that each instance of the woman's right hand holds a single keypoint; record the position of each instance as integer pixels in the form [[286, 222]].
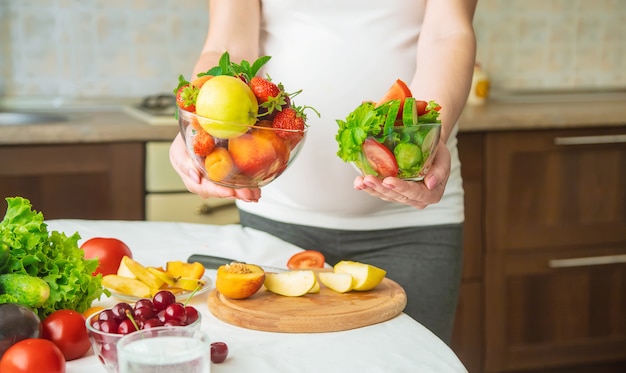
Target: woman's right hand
[[195, 183]]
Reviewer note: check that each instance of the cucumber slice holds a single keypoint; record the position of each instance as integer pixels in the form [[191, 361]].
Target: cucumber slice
[[430, 139], [409, 112], [392, 113]]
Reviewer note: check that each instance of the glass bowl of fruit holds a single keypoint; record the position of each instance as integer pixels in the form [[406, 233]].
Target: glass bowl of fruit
[[241, 129], [397, 137], [108, 326], [239, 155]]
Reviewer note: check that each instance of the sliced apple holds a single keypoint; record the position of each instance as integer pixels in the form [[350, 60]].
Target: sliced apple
[[364, 276], [291, 283], [316, 288], [123, 270], [142, 274], [337, 281], [128, 286], [165, 276]]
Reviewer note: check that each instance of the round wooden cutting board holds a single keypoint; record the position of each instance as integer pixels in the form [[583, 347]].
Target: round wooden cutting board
[[327, 311]]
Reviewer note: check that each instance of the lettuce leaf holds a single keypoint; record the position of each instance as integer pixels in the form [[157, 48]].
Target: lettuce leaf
[[52, 256]]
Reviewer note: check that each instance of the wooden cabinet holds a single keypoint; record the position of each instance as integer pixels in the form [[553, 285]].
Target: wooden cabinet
[[167, 198], [550, 224], [81, 181], [555, 270], [467, 338]]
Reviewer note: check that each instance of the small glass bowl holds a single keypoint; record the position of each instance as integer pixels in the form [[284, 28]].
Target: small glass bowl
[[104, 345], [238, 155]]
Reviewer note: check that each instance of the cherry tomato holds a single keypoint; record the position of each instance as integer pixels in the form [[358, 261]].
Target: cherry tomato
[[66, 328], [306, 259], [33, 355], [421, 107], [108, 251], [380, 158]]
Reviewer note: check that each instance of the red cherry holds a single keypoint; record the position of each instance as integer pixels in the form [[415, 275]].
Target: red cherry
[[219, 352], [162, 299]]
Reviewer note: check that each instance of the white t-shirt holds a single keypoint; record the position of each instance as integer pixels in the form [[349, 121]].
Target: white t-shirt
[[340, 53]]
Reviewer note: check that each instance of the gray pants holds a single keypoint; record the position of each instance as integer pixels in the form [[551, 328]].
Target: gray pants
[[425, 261]]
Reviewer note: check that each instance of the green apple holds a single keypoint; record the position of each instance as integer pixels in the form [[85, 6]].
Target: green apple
[[226, 107], [291, 283], [364, 276]]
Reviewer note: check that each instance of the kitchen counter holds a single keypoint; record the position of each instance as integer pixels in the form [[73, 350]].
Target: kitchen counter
[[537, 112]]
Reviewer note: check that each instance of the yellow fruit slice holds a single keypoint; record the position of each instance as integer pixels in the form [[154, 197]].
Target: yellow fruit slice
[[142, 273], [183, 269], [290, 283], [165, 276], [123, 270], [337, 281], [315, 289], [127, 286], [364, 276], [188, 284]]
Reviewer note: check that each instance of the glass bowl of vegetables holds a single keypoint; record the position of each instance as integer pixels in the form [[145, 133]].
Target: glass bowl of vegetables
[[108, 326], [397, 138]]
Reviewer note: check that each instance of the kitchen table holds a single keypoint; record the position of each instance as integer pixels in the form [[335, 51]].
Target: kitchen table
[[398, 345]]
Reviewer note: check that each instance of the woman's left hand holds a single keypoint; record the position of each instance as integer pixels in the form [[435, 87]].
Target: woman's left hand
[[418, 194]]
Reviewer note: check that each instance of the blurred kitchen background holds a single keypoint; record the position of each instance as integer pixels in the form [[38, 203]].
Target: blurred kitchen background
[[113, 48]]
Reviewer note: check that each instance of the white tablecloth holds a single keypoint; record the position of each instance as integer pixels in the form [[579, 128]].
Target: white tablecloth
[[398, 345]]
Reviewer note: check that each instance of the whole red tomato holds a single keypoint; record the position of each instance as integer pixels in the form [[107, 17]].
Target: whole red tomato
[[67, 330], [109, 252], [33, 355]]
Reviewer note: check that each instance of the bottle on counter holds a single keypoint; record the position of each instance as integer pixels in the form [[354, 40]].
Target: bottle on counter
[[479, 90]]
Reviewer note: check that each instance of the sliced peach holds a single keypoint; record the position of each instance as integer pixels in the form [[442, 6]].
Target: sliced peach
[[183, 269], [239, 280]]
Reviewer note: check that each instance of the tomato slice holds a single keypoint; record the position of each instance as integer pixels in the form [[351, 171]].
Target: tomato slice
[[398, 91], [306, 259], [380, 158]]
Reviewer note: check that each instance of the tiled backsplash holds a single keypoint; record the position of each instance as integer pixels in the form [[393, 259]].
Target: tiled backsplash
[[120, 48]]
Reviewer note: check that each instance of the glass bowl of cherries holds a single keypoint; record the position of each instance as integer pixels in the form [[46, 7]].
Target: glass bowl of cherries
[[108, 326]]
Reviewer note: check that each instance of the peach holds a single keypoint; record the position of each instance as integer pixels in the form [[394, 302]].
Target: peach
[[239, 280], [259, 153]]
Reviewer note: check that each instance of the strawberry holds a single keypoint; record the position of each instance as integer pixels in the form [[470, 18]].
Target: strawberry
[[186, 95], [203, 143], [293, 119], [271, 97]]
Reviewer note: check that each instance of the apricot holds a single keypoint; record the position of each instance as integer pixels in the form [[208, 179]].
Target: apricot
[[239, 280], [259, 153], [218, 164]]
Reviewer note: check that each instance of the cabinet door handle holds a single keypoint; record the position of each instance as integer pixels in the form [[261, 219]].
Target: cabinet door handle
[[587, 261], [205, 209], [590, 140]]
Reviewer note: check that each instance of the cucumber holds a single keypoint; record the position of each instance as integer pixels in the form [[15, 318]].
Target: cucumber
[[27, 290], [409, 112]]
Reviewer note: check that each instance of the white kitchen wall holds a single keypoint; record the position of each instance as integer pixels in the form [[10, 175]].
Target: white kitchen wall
[[123, 48]]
